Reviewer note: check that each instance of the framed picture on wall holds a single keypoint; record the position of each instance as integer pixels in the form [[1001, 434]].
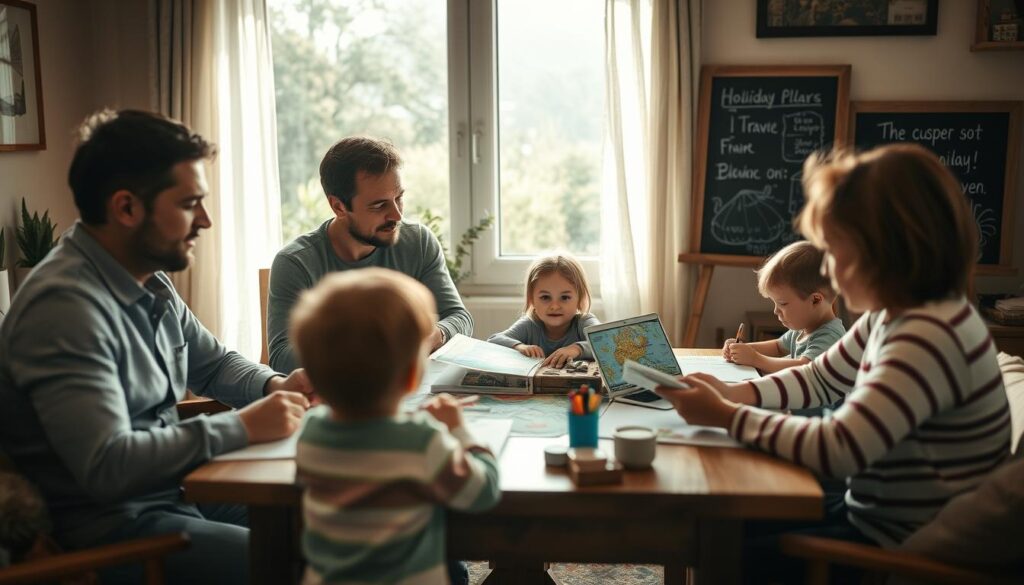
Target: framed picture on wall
[[845, 18], [21, 86]]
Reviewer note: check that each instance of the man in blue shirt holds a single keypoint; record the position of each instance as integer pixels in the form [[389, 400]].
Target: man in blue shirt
[[98, 348]]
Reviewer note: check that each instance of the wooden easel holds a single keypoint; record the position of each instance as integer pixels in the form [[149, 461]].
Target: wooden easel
[[707, 263]]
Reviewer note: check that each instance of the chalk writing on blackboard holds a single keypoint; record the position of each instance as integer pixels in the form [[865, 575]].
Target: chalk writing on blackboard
[[760, 131], [972, 144]]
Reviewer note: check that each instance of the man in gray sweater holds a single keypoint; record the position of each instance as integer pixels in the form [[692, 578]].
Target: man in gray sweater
[[361, 178]]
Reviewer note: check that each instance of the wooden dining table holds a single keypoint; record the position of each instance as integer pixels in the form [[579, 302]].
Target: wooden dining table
[[686, 513]]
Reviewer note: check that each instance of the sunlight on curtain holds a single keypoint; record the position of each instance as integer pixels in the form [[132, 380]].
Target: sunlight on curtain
[[651, 49], [249, 210]]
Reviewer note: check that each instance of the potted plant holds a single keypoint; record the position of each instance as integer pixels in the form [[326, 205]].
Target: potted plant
[[462, 249], [35, 239], [5, 281]]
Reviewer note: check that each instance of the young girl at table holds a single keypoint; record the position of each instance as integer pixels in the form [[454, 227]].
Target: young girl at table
[[925, 416], [555, 314]]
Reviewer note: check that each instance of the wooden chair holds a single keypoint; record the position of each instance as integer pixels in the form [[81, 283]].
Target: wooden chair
[[879, 563], [264, 276], [820, 553], [150, 551]]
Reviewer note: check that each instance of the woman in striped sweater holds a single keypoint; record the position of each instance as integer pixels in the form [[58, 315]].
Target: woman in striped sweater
[[925, 416]]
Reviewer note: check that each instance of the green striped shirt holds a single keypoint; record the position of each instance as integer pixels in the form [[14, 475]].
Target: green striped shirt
[[376, 493]]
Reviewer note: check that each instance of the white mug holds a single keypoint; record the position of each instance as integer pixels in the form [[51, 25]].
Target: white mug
[[635, 446]]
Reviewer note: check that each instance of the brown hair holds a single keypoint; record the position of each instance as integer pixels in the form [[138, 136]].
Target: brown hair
[[129, 149], [905, 215], [797, 266], [350, 156], [565, 265], [358, 333]]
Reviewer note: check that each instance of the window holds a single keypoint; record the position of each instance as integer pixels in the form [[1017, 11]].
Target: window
[[496, 107]]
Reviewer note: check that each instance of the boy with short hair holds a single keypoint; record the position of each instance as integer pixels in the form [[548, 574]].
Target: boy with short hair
[[377, 480], [792, 279]]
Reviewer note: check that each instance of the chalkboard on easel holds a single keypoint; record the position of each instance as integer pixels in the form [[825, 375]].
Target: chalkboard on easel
[[756, 126], [978, 141]]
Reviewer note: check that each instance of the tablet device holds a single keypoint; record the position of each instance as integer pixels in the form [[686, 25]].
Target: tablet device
[[641, 339]]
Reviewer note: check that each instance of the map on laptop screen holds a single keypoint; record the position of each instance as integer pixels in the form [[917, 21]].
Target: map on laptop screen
[[643, 342]]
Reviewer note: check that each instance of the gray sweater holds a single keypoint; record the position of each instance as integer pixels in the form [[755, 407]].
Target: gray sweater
[[530, 331], [303, 262]]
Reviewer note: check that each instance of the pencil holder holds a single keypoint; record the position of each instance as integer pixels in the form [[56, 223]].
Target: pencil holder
[[583, 429]]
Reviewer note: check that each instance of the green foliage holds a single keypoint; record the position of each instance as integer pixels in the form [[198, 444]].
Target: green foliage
[[35, 236], [462, 249], [347, 67]]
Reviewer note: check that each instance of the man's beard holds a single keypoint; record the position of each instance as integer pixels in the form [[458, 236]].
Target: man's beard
[[168, 259], [371, 239]]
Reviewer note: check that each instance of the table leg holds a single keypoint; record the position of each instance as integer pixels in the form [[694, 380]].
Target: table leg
[[519, 573], [720, 552], [275, 556]]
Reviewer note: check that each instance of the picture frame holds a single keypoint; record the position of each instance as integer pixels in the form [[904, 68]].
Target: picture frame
[[21, 84], [846, 18]]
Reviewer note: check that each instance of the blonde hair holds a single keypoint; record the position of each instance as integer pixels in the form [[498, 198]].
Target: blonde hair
[[905, 215], [566, 266], [797, 266], [358, 333]]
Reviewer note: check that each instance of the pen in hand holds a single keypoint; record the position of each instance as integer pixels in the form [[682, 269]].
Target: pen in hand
[[739, 333]]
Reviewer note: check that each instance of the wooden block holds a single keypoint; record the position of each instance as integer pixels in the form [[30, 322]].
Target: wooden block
[[611, 474]]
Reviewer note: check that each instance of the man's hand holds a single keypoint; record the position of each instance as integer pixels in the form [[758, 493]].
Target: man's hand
[[445, 408], [297, 381], [273, 417], [436, 339], [702, 403], [562, 355], [529, 350]]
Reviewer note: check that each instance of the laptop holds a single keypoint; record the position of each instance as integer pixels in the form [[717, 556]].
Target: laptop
[[641, 339]]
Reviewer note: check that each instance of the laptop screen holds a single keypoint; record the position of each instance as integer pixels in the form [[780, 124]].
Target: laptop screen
[[641, 339]]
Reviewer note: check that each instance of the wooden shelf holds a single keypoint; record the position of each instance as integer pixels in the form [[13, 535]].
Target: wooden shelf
[[998, 46], [982, 27]]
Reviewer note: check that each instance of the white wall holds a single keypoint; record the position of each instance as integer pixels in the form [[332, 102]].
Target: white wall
[[883, 68], [92, 54]]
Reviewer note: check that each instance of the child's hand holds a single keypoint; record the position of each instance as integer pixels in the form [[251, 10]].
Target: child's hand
[[727, 348], [562, 355], [529, 350], [445, 408], [744, 355]]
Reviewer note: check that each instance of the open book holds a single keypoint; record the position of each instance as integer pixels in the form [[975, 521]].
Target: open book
[[476, 366]]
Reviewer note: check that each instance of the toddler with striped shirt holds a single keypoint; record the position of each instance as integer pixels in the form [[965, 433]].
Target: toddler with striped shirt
[[377, 481], [925, 415]]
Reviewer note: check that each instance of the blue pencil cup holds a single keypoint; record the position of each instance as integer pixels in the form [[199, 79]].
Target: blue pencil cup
[[583, 429]]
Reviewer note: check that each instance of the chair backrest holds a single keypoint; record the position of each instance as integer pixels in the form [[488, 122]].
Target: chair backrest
[[264, 276]]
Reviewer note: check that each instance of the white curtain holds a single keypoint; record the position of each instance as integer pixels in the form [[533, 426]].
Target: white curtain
[[652, 60], [225, 91]]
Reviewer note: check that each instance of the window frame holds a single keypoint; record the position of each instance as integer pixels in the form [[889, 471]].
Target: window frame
[[474, 150]]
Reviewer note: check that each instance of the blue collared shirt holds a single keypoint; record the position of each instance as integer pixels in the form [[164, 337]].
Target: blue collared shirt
[[91, 367]]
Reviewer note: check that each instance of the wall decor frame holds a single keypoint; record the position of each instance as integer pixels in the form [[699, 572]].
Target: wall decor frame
[[849, 18], [21, 83]]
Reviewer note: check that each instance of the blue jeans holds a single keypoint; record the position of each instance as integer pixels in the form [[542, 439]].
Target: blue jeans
[[219, 552]]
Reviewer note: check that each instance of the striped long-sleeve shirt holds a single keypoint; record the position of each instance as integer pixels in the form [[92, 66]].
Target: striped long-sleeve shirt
[[376, 492], [925, 416]]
